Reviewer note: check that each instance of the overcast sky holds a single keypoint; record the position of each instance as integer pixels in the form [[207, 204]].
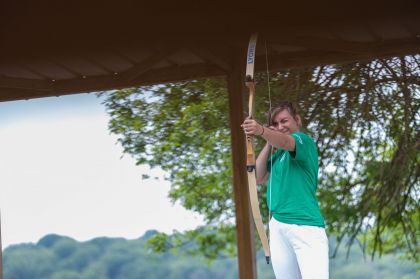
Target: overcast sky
[[62, 172]]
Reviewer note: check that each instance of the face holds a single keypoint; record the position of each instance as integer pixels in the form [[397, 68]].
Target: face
[[284, 122]]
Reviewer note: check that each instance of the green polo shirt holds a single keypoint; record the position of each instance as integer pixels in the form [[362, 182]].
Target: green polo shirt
[[294, 181]]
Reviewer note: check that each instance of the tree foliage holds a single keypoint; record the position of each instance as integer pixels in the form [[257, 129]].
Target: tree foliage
[[365, 120], [117, 258]]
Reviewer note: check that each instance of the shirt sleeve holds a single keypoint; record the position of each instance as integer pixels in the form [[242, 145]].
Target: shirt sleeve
[[304, 147]]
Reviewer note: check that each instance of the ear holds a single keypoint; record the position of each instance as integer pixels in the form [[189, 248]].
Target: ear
[[298, 120]]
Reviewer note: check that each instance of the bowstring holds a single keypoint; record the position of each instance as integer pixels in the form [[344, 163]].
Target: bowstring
[[271, 151]]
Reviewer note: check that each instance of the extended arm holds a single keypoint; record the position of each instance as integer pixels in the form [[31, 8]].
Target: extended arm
[[278, 139], [273, 137]]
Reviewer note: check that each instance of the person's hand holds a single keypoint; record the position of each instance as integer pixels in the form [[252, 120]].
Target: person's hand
[[252, 127]]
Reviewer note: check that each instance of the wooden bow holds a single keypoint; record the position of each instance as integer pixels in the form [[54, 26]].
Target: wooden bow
[[250, 164]]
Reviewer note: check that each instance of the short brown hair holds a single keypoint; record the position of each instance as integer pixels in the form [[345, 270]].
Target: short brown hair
[[284, 105]]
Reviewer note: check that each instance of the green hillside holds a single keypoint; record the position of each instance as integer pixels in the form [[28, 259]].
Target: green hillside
[[59, 257]]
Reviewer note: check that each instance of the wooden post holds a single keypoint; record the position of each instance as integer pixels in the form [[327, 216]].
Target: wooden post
[[244, 224]]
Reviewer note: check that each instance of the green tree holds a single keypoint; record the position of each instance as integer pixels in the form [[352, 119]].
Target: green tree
[[27, 261], [131, 259], [363, 116]]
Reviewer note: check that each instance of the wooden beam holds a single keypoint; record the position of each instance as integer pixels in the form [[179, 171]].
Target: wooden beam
[[94, 62], [146, 64], [157, 76], [189, 72], [62, 65], [324, 44], [244, 224], [28, 68], [23, 83], [17, 89], [10, 94], [212, 57], [317, 43], [317, 58]]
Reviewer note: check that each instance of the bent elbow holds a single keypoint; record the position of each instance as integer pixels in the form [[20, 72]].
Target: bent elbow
[[261, 180]]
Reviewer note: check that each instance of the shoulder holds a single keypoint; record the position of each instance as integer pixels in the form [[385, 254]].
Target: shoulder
[[301, 137], [304, 144]]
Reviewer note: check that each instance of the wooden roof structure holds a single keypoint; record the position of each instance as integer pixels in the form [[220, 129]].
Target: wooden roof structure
[[51, 48]]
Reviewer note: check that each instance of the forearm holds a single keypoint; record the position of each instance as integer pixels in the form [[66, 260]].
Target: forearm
[[261, 164], [273, 137], [278, 139]]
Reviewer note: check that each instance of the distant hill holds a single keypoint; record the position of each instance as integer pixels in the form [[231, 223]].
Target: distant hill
[[60, 257]]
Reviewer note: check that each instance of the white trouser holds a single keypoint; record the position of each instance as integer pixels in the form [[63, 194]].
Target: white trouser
[[298, 251]]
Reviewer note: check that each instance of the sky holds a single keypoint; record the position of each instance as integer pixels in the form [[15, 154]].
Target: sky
[[62, 172]]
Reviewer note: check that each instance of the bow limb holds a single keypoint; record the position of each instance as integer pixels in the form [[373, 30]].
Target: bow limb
[[256, 214], [252, 182]]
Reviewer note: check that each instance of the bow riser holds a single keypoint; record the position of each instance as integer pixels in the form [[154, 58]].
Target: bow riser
[[250, 154]]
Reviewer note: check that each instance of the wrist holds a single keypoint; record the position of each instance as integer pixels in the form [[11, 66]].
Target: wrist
[[262, 133]]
